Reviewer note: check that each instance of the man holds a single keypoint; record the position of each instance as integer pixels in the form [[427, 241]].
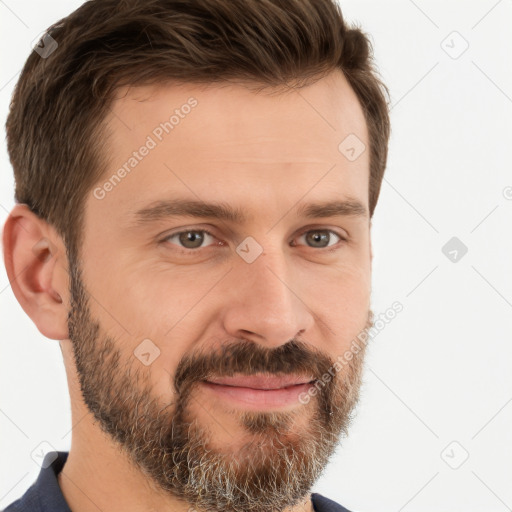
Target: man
[[195, 185]]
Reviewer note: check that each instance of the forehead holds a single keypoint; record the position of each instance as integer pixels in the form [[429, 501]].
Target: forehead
[[225, 141], [223, 115]]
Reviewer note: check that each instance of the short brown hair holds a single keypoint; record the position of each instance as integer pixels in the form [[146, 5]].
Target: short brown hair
[[54, 128]]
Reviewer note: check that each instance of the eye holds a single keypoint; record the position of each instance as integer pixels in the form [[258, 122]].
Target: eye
[[321, 238], [190, 239]]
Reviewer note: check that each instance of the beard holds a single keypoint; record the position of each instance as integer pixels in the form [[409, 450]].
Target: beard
[[282, 457]]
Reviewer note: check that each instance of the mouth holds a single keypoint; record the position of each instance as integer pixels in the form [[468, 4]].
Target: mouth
[[259, 392], [265, 382]]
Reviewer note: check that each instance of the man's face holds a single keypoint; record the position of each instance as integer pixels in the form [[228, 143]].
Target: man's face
[[159, 306]]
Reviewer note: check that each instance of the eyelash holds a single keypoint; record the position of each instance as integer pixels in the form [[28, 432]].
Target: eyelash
[[189, 252]]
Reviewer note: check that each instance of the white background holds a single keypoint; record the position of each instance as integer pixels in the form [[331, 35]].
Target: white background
[[440, 371]]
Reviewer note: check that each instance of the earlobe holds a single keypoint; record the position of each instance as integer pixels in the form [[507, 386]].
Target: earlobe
[[36, 266]]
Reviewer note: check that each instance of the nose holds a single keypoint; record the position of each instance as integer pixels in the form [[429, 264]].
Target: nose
[[267, 303]]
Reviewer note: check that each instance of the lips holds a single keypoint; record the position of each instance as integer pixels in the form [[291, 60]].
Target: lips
[[261, 381]]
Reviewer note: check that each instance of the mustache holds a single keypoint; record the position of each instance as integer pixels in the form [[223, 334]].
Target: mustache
[[249, 358]]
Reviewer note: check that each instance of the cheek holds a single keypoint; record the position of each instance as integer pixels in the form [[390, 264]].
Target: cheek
[[146, 298], [345, 280], [341, 300]]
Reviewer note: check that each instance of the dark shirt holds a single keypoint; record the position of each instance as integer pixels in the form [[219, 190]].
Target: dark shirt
[[44, 495]]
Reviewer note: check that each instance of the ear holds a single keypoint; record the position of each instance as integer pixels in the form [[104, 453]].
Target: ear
[[36, 263]]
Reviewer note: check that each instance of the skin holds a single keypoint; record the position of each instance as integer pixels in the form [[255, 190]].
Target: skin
[[265, 155]]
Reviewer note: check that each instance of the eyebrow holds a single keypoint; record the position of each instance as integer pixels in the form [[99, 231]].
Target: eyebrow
[[163, 209]]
